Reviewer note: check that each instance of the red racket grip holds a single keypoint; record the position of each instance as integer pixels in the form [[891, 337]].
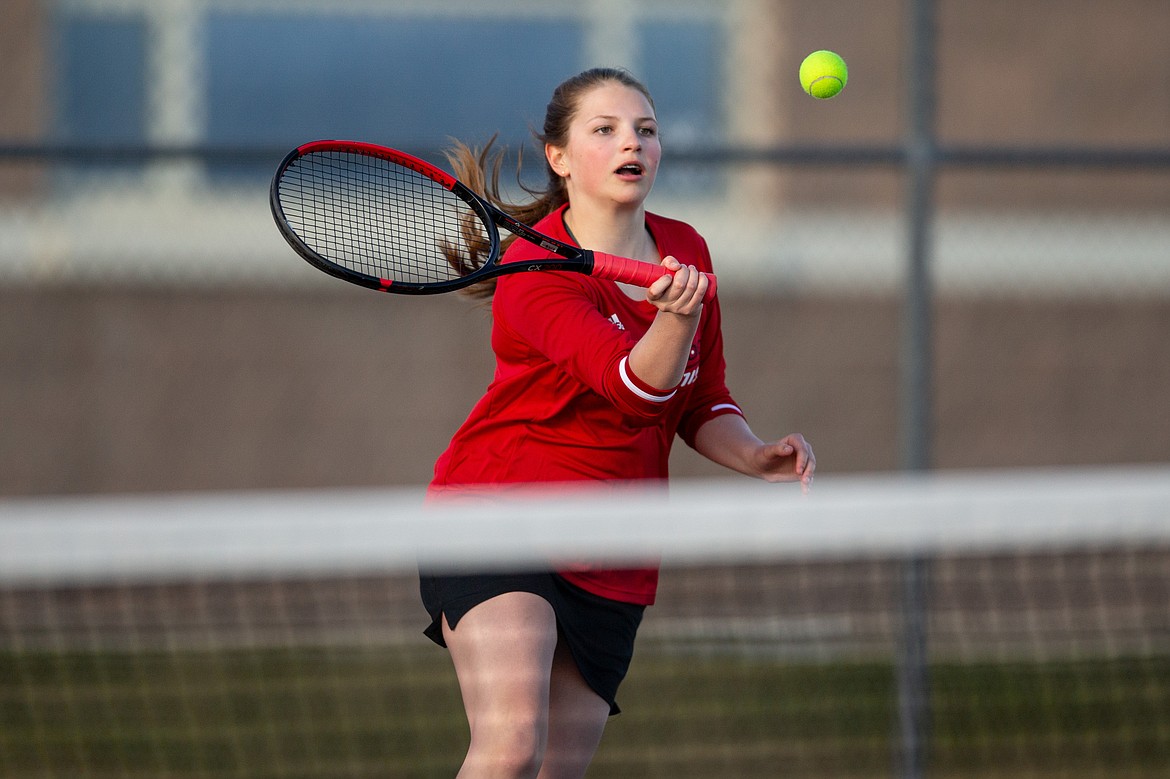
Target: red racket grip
[[638, 273]]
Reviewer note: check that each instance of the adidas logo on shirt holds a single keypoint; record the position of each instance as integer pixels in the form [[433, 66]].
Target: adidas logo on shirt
[[614, 318]]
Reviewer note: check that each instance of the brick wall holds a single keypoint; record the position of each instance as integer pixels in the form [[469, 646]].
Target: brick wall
[[149, 389]]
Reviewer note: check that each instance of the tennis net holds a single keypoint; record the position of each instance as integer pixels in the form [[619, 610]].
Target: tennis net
[[950, 625]]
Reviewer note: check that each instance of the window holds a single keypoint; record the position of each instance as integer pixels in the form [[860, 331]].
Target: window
[[101, 80], [407, 82]]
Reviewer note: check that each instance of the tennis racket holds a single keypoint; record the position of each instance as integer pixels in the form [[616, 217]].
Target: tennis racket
[[383, 219]]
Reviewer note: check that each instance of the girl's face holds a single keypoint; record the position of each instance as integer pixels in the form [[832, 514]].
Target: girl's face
[[613, 151]]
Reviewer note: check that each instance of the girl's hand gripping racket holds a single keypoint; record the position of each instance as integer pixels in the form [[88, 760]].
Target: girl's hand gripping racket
[[388, 221]]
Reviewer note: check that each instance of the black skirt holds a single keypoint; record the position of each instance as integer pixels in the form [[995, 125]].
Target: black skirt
[[599, 631]]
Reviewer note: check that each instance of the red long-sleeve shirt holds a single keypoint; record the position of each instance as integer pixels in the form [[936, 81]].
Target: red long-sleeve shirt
[[565, 406]]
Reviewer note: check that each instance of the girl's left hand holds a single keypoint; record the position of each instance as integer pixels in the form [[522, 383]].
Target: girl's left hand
[[789, 459]]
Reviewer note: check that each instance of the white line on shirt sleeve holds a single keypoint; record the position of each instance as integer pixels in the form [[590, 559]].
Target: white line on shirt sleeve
[[723, 406], [634, 388]]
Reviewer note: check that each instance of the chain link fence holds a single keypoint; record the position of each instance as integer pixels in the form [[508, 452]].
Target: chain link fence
[[137, 138]]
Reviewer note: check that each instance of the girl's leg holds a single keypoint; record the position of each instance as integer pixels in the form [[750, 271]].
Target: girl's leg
[[503, 652], [577, 717]]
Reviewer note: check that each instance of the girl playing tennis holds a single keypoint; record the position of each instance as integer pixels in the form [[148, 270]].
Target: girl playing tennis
[[593, 382]]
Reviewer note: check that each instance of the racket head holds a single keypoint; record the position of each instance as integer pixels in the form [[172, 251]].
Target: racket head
[[382, 219]]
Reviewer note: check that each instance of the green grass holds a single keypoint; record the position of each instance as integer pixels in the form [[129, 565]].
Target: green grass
[[396, 712]]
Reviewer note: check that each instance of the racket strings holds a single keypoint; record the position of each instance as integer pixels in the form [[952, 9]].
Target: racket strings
[[371, 216], [470, 255]]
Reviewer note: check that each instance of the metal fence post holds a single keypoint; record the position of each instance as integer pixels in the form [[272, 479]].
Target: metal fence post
[[916, 395]]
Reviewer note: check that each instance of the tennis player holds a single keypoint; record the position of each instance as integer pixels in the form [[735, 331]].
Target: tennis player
[[593, 382]]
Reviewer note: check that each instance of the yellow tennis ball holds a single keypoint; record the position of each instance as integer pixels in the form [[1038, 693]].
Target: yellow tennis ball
[[823, 74]]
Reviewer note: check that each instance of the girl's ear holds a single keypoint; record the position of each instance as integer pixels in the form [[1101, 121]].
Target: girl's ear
[[556, 159]]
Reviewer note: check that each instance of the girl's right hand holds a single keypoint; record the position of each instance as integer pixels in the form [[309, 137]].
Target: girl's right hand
[[681, 291]]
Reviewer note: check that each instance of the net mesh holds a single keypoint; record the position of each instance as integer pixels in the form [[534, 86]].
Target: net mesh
[[385, 221], [1006, 625]]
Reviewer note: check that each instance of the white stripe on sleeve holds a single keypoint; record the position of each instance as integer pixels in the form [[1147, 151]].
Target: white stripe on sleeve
[[634, 388], [724, 406]]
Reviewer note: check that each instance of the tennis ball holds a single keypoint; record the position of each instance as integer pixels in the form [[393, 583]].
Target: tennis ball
[[823, 74]]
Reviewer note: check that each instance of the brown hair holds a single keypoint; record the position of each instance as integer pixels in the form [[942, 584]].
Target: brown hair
[[479, 168]]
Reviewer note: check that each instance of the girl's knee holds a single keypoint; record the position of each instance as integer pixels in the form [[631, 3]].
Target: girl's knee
[[512, 743]]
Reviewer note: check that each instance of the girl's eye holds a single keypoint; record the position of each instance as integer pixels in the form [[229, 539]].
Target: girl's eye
[[649, 132], [605, 129]]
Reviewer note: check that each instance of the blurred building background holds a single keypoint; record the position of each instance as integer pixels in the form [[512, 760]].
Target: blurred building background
[[157, 334]]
